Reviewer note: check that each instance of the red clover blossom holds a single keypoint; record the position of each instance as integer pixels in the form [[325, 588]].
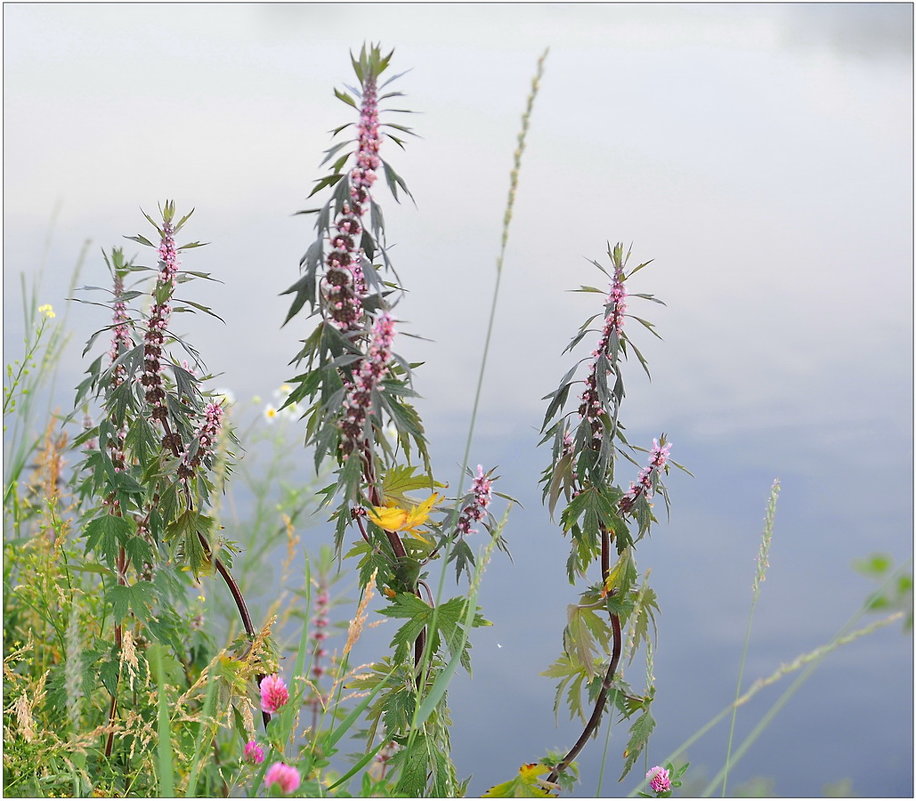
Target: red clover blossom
[[590, 407], [359, 391], [283, 775], [643, 483], [482, 488], [253, 753], [273, 693], [660, 780], [344, 285]]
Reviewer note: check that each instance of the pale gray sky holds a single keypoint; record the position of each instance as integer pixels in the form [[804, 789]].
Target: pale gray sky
[[760, 154]]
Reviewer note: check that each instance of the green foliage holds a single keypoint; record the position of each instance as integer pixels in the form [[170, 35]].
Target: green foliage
[[896, 590], [640, 731], [447, 624]]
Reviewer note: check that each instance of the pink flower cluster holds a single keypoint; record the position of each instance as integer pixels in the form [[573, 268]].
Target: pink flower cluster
[[659, 456], [344, 285], [206, 437], [659, 779], [590, 406], [253, 753], [320, 622], [482, 488], [286, 777], [359, 392], [273, 693], [159, 319], [168, 256]]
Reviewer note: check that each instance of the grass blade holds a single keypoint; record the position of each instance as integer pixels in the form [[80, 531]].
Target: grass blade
[[164, 748]]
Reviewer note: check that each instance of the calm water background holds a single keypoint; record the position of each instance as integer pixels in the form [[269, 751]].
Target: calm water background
[[762, 155]]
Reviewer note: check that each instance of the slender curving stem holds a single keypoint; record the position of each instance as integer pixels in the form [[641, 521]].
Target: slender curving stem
[[595, 719], [240, 604], [598, 711], [224, 572]]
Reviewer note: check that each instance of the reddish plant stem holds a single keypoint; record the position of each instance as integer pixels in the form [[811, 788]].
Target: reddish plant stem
[[225, 574], [397, 546], [595, 720], [240, 604]]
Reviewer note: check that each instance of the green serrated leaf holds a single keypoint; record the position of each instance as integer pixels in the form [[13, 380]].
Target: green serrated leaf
[[639, 735]]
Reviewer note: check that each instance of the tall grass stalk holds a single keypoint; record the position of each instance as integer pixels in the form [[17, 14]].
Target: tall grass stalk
[[164, 748], [607, 742], [436, 692], [811, 659], [759, 577], [205, 736], [64, 330], [43, 343], [507, 219]]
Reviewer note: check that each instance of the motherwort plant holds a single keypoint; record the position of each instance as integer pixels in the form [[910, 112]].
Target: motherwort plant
[[357, 391], [605, 522], [146, 486], [615, 615]]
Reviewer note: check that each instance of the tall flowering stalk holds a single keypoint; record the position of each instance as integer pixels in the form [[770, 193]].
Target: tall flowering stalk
[[344, 284], [598, 516], [161, 311], [356, 393], [319, 635], [604, 357]]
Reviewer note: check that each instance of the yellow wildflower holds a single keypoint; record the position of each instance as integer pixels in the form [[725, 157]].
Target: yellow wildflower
[[47, 310], [394, 518]]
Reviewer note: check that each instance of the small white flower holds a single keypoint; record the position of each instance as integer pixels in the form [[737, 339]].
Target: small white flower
[[390, 432], [223, 396], [292, 411], [270, 413]]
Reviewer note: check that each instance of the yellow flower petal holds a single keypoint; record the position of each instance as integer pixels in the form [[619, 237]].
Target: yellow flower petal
[[390, 518], [394, 518]]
